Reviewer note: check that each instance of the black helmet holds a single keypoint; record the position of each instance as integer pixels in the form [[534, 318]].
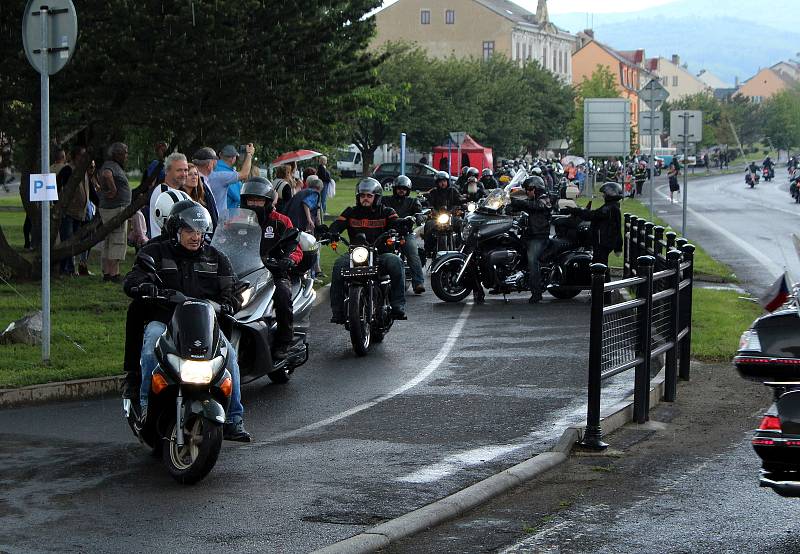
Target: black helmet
[[188, 214], [402, 182], [473, 172], [442, 176], [464, 170], [534, 183], [611, 191], [257, 187], [370, 185], [486, 172]]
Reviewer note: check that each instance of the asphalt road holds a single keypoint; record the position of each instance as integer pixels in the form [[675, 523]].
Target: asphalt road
[[687, 482], [452, 396]]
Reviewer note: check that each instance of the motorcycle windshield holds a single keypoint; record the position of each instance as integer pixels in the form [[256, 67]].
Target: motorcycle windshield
[[519, 177], [238, 236], [497, 199]]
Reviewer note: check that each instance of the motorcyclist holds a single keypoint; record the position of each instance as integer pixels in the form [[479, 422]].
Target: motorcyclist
[[259, 195], [488, 180], [441, 198], [606, 221], [371, 218], [138, 310], [474, 190], [462, 177], [769, 164], [538, 207], [471, 172], [185, 263], [752, 173], [405, 206]]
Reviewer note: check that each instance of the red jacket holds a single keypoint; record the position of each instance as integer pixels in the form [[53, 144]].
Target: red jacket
[[273, 230]]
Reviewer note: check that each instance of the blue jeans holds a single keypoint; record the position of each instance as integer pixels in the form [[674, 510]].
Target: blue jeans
[[155, 329], [535, 249], [411, 250], [390, 264]]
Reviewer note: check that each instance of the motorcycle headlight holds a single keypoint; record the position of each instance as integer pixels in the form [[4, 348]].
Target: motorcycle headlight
[[198, 372], [443, 219], [749, 341], [465, 231], [471, 207], [247, 295], [359, 255]]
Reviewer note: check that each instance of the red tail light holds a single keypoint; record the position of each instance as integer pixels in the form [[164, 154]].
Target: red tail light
[[770, 423]]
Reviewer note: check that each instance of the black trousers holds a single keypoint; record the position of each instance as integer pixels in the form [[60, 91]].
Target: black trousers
[[284, 316], [135, 320]]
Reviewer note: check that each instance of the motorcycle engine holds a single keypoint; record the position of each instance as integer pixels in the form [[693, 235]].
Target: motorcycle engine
[[502, 263]]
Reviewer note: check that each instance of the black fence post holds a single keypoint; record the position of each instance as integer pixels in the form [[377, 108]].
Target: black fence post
[[648, 239], [686, 311], [593, 436], [633, 251], [641, 389], [658, 245], [671, 236], [626, 251], [671, 368]]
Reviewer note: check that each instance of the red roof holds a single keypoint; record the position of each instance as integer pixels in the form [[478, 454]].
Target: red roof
[[634, 56]]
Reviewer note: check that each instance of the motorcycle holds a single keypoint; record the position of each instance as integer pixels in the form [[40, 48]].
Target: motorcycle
[[751, 178], [252, 328], [190, 391], [769, 352], [768, 173], [495, 255], [367, 306]]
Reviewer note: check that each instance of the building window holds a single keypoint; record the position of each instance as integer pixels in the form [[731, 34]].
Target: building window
[[450, 17], [518, 56], [674, 80], [425, 17], [488, 49], [544, 58], [560, 63], [665, 81], [530, 51], [554, 60]]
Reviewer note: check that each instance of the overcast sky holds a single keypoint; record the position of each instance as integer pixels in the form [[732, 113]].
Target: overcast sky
[[592, 6]]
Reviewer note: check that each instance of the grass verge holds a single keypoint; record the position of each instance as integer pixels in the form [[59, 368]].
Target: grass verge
[[718, 319]]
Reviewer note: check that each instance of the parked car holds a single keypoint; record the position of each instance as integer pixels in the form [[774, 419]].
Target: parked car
[[422, 176], [691, 159]]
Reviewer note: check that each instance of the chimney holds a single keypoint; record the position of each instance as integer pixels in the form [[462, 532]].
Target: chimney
[[589, 33], [736, 81], [541, 13], [676, 59]]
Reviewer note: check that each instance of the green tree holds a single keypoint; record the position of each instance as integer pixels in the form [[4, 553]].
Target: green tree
[[782, 119], [602, 84]]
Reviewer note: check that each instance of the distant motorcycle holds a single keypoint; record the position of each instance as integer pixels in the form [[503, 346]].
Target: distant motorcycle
[[751, 178]]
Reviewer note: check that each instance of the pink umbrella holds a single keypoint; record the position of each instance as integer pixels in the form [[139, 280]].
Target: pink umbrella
[[294, 156]]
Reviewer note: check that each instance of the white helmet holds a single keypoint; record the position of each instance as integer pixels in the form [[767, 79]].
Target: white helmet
[[164, 204]]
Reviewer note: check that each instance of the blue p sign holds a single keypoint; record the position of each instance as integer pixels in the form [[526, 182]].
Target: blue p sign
[[37, 186], [43, 187]]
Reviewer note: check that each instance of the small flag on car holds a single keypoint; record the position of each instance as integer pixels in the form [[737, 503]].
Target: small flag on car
[[776, 295]]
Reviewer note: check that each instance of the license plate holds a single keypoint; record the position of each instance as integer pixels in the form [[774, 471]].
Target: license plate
[[368, 271]]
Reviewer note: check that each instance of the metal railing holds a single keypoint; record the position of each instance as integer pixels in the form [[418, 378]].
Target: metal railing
[[643, 238], [629, 334]]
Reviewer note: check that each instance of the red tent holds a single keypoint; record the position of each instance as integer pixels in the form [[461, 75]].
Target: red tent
[[472, 154]]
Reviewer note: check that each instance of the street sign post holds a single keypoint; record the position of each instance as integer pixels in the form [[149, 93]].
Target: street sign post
[[458, 137], [685, 126], [402, 153], [653, 94], [49, 35], [606, 128]]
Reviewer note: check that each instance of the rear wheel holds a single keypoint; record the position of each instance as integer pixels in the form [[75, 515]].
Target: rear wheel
[[202, 444], [359, 319], [443, 281]]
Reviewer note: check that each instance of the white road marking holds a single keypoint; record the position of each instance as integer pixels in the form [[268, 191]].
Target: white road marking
[[737, 240], [421, 376]]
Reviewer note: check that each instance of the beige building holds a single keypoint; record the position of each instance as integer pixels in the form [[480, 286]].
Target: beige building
[[674, 77], [763, 85], [787, 69], [478, 29]]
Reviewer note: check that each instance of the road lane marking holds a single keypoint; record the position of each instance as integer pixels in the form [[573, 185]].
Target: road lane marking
[[432, 366], [738, 241]]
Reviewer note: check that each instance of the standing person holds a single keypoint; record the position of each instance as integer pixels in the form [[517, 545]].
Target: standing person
[[325, 176], [284, 187], [537, 206], [707, 162], [154, 172], [606, 221], [199, 192], [640, 175], [176, 171], [225, 182], [672, 173], [115, 196], [303, 208], [206, 160], [75, 211]]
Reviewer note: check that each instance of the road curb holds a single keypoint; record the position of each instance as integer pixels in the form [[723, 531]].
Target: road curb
[[85, 388], [449, 507]]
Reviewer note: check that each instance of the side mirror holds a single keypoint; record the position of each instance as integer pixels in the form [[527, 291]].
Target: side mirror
[[146, 262]]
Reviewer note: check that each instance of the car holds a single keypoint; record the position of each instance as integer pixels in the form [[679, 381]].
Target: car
[[692, 160], [422, 176]]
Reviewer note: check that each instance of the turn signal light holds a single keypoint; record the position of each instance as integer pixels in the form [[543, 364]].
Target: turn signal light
[[763, 442], [334, 245], [159, 383], [226, 386], [390, 241], [402, 242], [770, 423]]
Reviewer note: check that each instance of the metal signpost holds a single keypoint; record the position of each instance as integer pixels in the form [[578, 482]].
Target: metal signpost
[[685, 127], [457, 137], [606, 128], [49, 35], [653, 94], [402, 153]]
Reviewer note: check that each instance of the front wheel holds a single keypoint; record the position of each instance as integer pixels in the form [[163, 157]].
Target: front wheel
[[359, 319], [202, 442], [443, 281]]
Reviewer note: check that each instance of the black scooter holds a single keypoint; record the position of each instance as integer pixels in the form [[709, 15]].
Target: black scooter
[[190, 388]]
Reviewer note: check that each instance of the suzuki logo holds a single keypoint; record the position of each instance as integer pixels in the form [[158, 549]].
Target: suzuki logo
[[198, 343]]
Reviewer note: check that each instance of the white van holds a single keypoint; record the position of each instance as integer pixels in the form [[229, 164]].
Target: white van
[[349, 162]]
